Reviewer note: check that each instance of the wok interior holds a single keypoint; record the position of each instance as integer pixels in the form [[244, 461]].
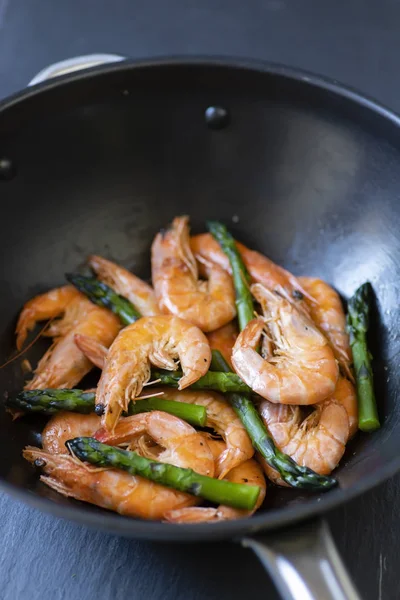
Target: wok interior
[[306, 177]]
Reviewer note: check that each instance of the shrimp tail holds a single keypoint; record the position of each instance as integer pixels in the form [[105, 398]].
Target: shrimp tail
[[195, 514], [228, 460], [92, 349]]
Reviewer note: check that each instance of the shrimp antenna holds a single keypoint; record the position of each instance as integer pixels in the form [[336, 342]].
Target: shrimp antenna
[[24, 350]]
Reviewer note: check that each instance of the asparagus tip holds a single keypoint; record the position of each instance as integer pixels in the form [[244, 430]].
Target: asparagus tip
[[79, 281], [69, 277], [215, 226]]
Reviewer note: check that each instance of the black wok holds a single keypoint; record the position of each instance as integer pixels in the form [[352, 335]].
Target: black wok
[[300, 168]]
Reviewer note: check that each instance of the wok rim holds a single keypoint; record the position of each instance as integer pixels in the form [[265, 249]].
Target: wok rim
[[272, 519]]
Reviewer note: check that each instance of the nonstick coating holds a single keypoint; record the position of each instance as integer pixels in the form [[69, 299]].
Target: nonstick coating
[[305, 171]]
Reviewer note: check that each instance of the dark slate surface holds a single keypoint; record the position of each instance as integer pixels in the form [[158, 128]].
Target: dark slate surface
[[354, 41]]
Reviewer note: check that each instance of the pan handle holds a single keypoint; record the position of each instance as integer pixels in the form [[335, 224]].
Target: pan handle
[[304, 563], [78, 63]]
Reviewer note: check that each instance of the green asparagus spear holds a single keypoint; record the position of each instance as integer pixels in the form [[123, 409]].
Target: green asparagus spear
[[219, 363], [292, 473], [241, 278], [51, 401], [192, 413], [185, 480], [102, 295], [358, 324], [212, 380]]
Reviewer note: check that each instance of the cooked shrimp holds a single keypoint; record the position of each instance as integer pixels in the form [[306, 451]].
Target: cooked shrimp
[[317, 441], [64, 426], [216, 446], [261, 269], [328, 314], [223, 339], [301, 369], [151, 340], [209, 305], [41, 308], [249, 473], [126, 284], [222, 418], [146, 446], [92, 349], [183, 446], [345, 393], [112, 489], [64, 365], [129, 495]]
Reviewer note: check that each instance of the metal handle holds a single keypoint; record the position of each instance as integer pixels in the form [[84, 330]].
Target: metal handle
[[78, 63], [304, 563]]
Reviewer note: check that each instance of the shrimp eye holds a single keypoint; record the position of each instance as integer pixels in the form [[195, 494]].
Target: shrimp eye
[[297, 295], [39, 463], [99, 409]]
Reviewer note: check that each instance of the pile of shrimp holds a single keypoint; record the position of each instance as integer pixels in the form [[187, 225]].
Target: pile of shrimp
[[302, 378]]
